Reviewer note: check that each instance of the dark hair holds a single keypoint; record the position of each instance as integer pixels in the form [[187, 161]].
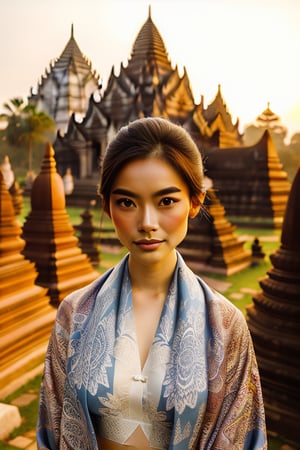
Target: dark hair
[[152, 137]]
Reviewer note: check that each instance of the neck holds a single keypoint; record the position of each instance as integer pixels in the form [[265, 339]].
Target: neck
[[154, 278]]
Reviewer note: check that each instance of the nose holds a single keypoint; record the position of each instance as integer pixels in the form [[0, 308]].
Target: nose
[[148, 219]]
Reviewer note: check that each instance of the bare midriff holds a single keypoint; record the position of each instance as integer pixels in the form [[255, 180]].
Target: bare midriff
[[106, 444], [137, 441]]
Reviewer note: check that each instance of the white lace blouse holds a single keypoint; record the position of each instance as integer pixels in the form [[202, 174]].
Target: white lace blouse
[[136, 392]]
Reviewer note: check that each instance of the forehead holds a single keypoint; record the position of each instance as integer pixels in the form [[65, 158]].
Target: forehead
[[155, 170]]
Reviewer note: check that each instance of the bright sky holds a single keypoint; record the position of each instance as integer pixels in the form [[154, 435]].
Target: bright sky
[[250, 47]]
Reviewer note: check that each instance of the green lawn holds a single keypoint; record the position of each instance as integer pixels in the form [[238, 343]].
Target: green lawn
[[28, 412], [246, 279]]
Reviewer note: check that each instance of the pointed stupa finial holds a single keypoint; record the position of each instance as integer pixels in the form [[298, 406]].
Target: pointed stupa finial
[[48, 163], [49, 150], [47, 191], [72, 31], [149, 12]]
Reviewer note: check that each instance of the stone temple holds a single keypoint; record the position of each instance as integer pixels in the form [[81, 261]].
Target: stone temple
[[274, 322], [150, 85]]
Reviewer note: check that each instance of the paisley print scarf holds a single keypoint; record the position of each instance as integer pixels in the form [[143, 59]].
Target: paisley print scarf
[[211, 385], [183, 326]]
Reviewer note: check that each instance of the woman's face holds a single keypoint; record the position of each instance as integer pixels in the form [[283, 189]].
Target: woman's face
[[149, 207]]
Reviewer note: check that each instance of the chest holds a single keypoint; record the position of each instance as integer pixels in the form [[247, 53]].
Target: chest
[[146, 317]]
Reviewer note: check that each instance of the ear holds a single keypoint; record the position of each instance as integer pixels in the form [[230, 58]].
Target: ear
[[196, 204]]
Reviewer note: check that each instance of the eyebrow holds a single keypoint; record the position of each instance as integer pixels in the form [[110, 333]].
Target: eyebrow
[[160, 193]]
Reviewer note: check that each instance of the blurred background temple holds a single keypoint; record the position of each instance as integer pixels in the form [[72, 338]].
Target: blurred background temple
[[246, 170]]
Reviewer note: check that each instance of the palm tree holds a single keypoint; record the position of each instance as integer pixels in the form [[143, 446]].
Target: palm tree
[[12, 117], [26, 125]]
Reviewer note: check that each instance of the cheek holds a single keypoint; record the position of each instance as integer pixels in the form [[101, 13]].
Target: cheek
[[120, 222], [178, 219]]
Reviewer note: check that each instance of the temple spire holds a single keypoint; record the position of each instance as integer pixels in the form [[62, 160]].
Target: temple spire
[[71, 80], [50, 238], [149, 12], [22, 344], [268, 117]]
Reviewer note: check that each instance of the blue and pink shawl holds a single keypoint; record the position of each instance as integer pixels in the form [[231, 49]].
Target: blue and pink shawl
[[211, 385]]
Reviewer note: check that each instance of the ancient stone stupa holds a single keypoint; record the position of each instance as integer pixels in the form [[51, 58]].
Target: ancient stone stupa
[[211, 244], [50, 238], [251, 182], [26, 317], [88, 240], [274, 322]]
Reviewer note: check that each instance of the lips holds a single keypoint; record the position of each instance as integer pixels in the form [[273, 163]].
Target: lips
[[148, 241], [148, 244]]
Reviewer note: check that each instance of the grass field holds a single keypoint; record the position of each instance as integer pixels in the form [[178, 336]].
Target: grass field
[[242, 283]]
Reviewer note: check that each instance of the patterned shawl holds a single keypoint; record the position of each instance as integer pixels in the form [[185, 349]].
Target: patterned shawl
[[211, 384]]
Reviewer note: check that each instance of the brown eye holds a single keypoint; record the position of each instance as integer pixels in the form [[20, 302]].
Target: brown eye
[[167, 201], [125, 202]]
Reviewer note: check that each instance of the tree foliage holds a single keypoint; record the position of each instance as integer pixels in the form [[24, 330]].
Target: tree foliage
[[26, 126]]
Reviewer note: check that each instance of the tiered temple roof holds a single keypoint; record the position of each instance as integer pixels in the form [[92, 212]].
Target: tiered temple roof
[[213, 126], [149, 50], [83, 144], [251, 182], [179, 101], [119, 100], [67, 86], [149, 86], [267, 118]]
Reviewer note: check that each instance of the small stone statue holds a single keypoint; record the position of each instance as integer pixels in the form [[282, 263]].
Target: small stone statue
[[258, 255]]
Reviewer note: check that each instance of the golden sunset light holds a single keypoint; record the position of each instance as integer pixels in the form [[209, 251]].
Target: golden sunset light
[[149, 224], [251, 48]]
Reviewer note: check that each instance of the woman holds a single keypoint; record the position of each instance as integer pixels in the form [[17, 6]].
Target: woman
[[148, 356]]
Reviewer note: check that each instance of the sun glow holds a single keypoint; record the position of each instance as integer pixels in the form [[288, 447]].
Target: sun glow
[[250, 47]]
